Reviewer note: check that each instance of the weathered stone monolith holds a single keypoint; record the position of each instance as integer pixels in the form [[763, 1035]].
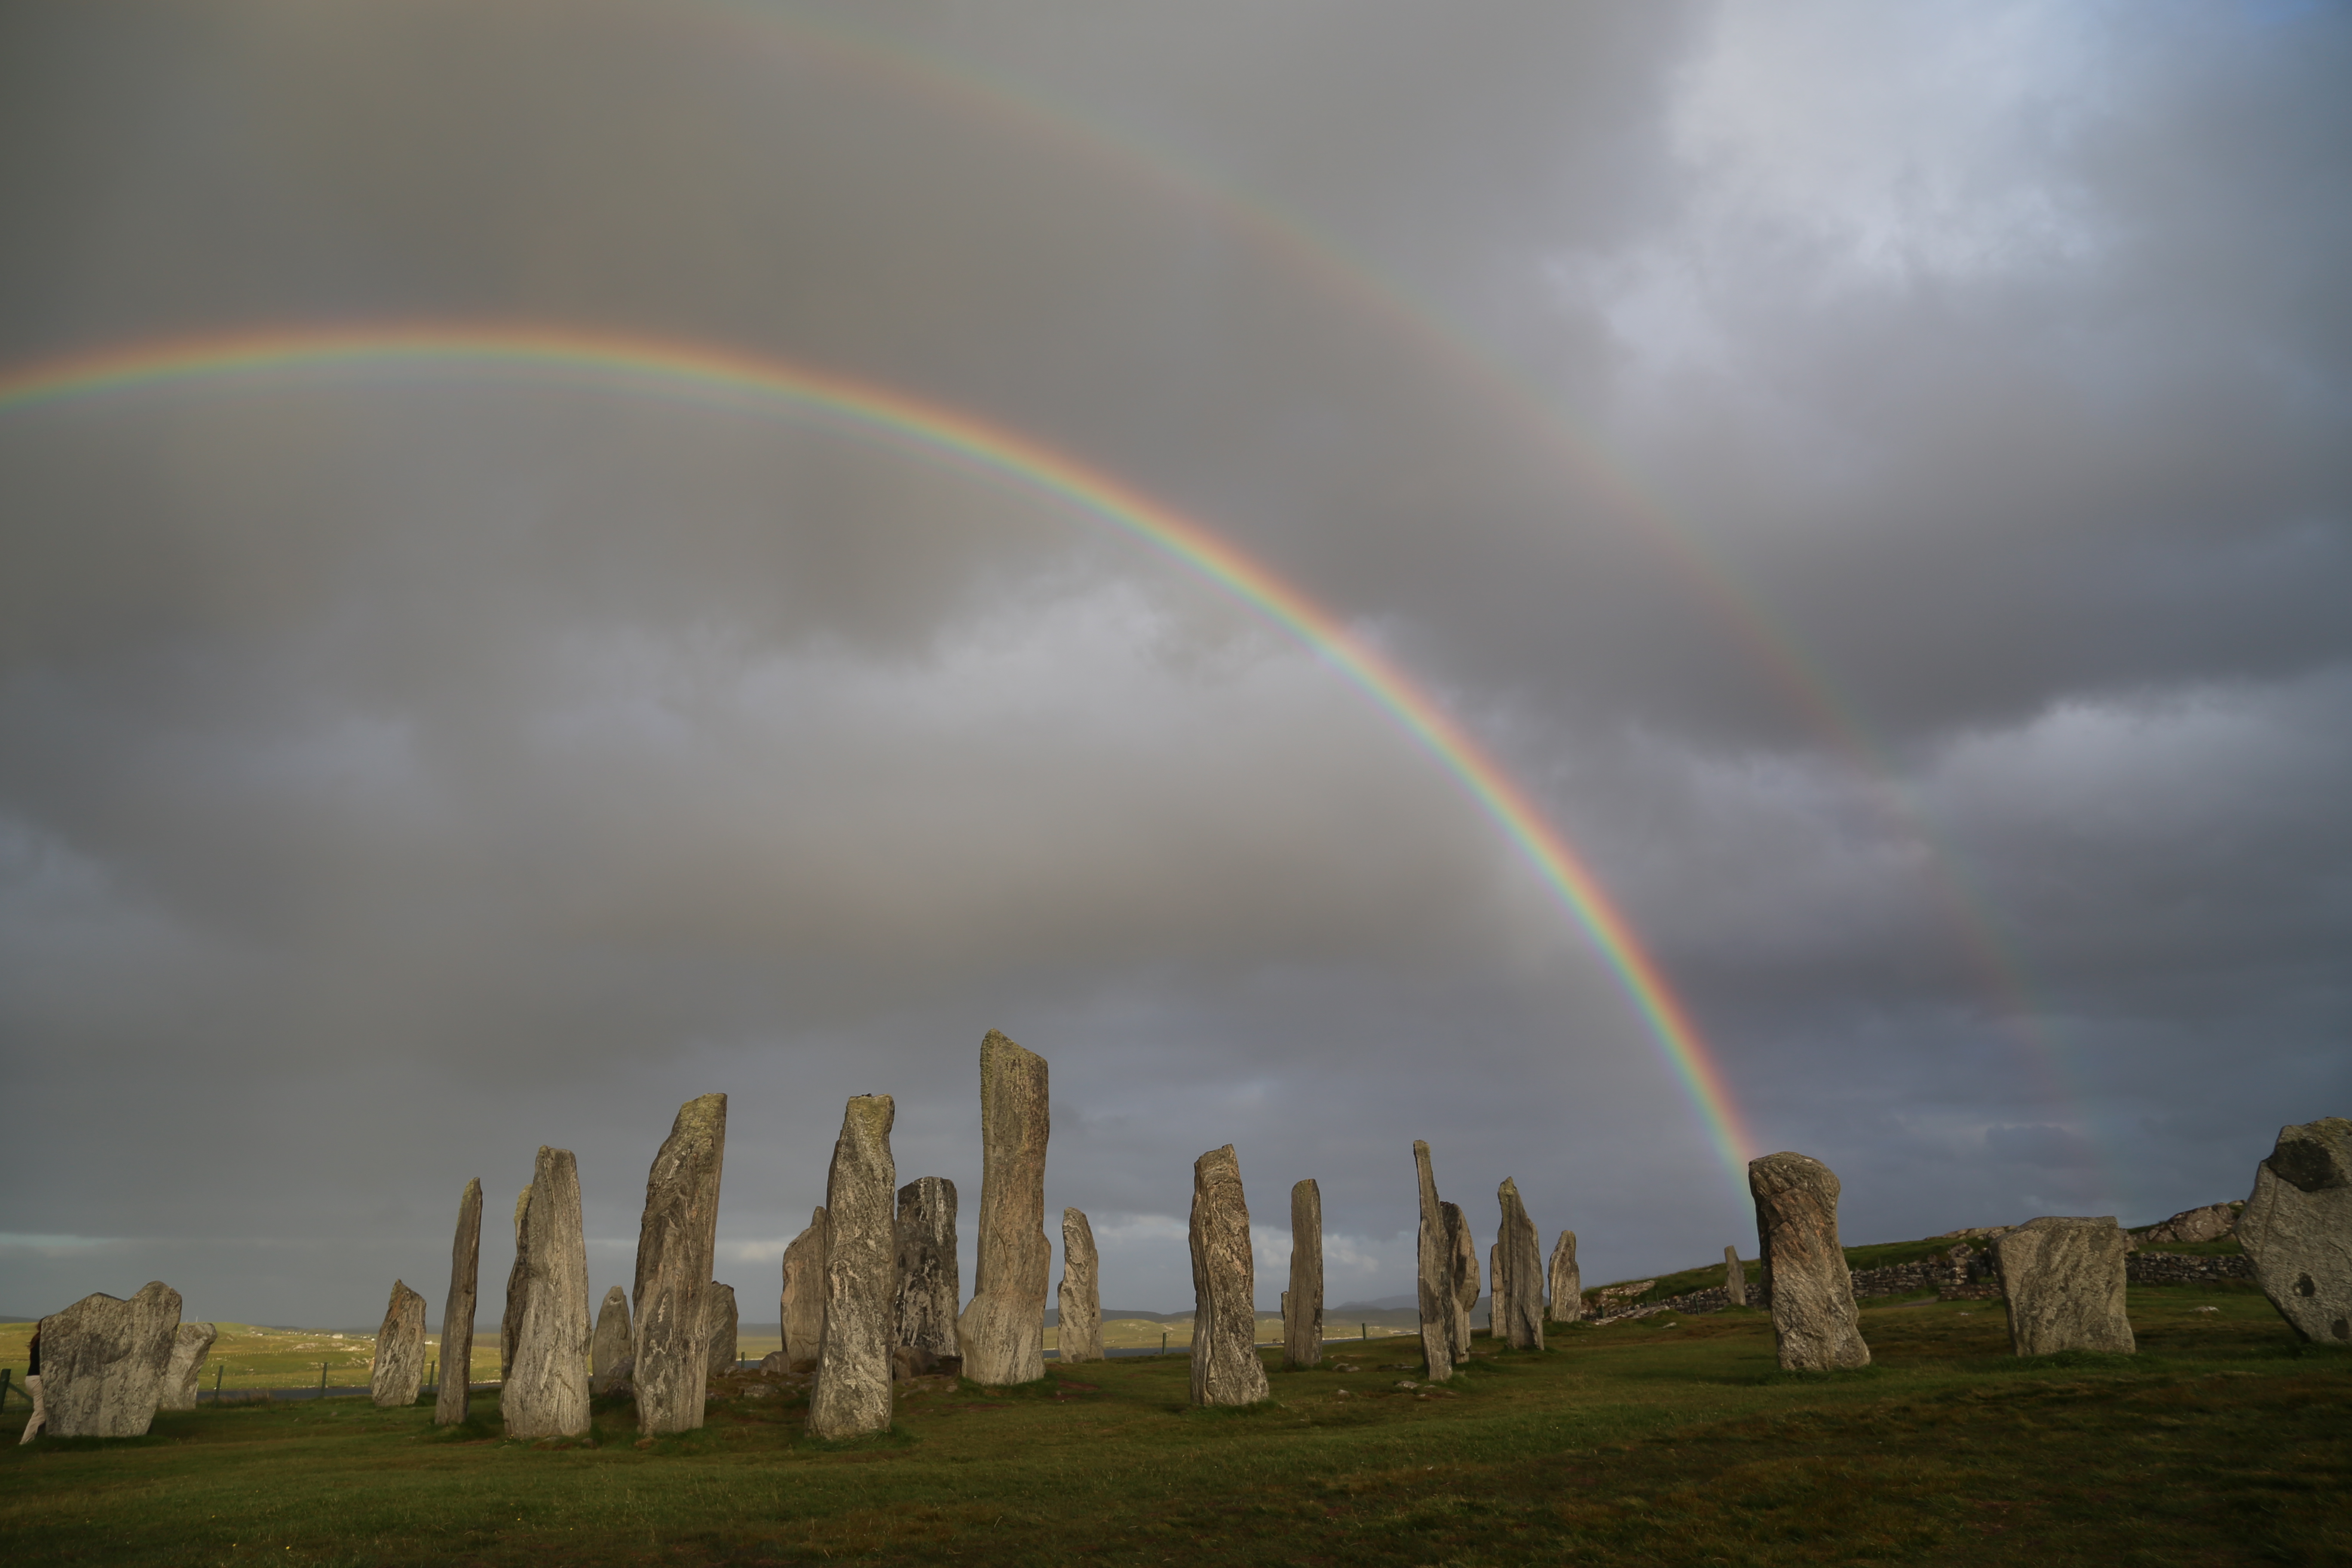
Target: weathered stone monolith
[[1226, 1368], [930, 1288], [613, 1350], [1434, 1273], [720, 1327], [2062, 1280], [1735, 1278], [191, 1343], [676, 1241], [511, 1319], [449, 1400], [1518, 1280], [1002, 1330], [802, 1303], [546, 1389], [852, 1392], [2297, 1227], [1567, 1281], [1465, 1278], [103, 1360], [1078, 1300], [398, 1372], [1813, 1317], [1302, 1310]]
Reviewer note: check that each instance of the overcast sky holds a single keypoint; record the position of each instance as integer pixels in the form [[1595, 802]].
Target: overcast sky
[[1880, 477]]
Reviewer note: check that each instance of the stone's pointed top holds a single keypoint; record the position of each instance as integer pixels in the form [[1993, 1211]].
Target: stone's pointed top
[[473, 1192], [522, 1203], [617, 1297], [872, 1114], [705, 1114], [1421, 1148], [817, 1216], [1510, 1187], [1786, 1170], [998, 1045]]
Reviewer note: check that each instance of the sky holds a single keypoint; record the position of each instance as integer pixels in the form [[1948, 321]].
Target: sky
[[1877, 482]]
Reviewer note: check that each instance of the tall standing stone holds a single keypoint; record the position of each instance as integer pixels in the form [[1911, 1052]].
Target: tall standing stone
[[802, 1303], [613, 1349], [1518, 1281], [852, 1392], [1081, 1299], [1567, 1281], [1813, 1317], [721, 1327], [1002, 1330], [2062, 1282], [449, 1400], [1226, 1368], [930, 1288], [1302, 1311], [676, 1242], [104, 1361], [510, 1320], [1735, 1278], [546, 1389], [398, 1373], [1433, 1273], [191, 1343], [1464, 1276], [2297, 1227]]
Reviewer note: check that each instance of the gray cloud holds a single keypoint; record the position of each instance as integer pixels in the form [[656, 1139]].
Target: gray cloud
[[401, 769]]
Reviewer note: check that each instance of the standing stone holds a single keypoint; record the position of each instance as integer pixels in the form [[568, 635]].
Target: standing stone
[[676, 1241], [1302, 1304], [104, 1361], [720, 1327], [1735, 1278], [802, 1303], [1465, 1278], [2297, 1227], [2062, 1282], [191, 1343], [1434, 1273], [852, 1392], [1518, 1281], [510, 1320], [1226, 1368], [930, 1286], [613, 1349], [1080, 1300], [449, 1400], [1567, 1281], [1813, 1317], [546, 1389], [398, 1373], [1002, 1330]]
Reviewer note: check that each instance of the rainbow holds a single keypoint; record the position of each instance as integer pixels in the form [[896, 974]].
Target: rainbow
[[669, 365]]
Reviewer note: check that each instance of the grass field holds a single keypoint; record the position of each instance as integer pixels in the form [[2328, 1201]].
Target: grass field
[[1661, 1442]]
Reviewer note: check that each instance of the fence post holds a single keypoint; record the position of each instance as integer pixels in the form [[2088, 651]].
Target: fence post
[[1163, 1341], [220, 1370], [322, 1380], [1364, 1331]]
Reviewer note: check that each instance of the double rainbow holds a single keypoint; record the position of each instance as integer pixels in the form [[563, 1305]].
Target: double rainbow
[[667, 366]]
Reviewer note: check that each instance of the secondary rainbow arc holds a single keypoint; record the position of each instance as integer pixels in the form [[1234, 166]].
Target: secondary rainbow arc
[[684, 365]]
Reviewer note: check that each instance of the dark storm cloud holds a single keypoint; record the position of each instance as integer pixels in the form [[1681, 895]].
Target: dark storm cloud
[[397, 772]]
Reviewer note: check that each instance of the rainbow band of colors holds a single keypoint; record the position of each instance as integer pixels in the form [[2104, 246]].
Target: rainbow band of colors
[[670, 366]]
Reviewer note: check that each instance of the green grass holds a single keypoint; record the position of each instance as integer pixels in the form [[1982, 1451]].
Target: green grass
[[1673, 1440]]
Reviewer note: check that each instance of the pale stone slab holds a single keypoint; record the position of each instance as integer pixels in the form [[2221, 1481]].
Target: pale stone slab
[[612, 1348], [1226, 1368], [2297, 1227], [1433, 1273], [721, 1326], [1465, 1278], [184, 1378], [802, 1303], [930, 1287], [1518, 1278], [1567, 1281], [1002, 1330], [1814, 1316], [2062, 1282], [450, 1400], [676, 1241], [546, 1389], [1079, 1302], [2211, 1223], [104, 1361], [398, 1373], [1302, 1309], [1735, 1278], [852, 1392]]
